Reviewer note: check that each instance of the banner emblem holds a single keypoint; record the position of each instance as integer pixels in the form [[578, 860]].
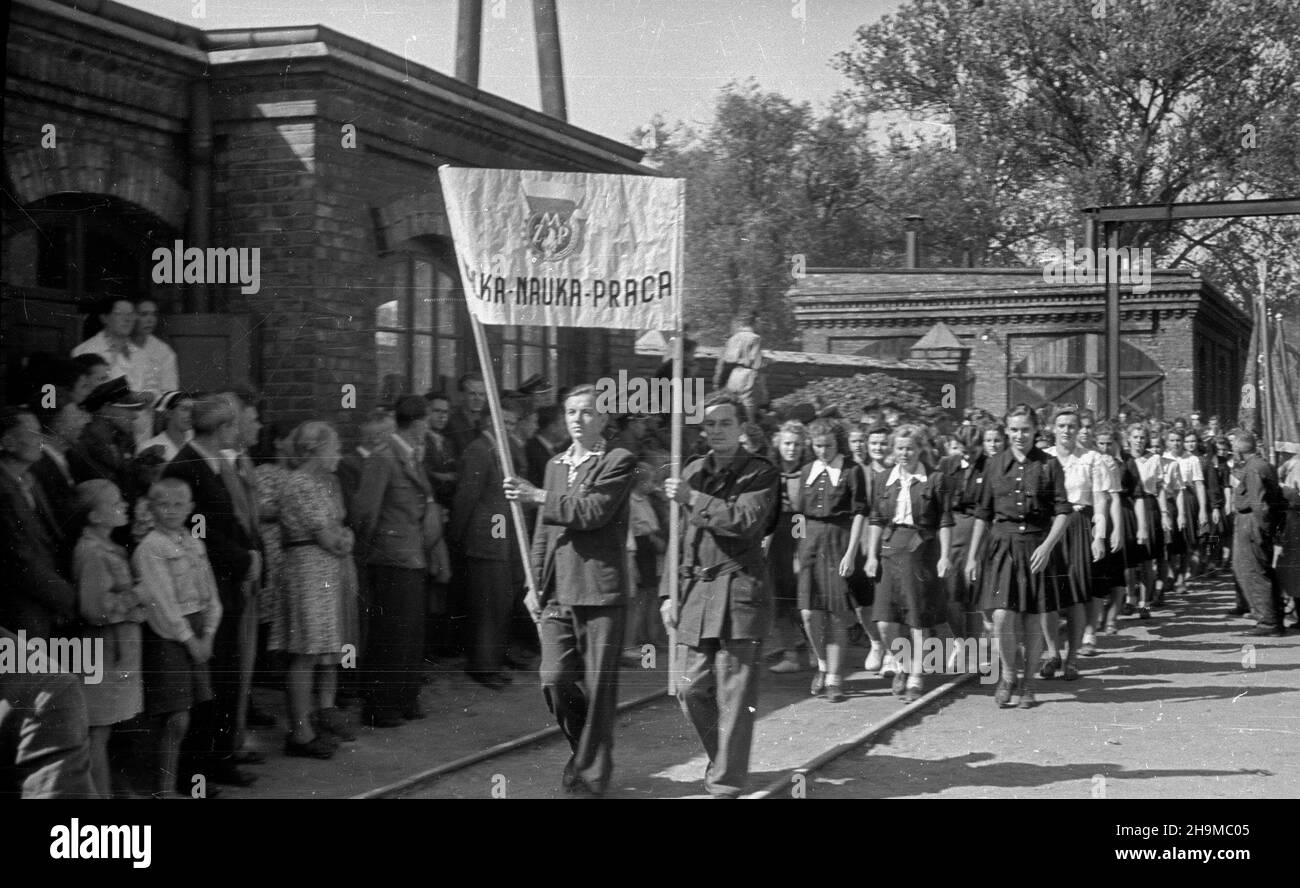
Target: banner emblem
[[556, 223]]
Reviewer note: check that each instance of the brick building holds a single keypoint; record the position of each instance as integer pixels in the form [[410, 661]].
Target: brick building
[[125, 132], [1182, 343]]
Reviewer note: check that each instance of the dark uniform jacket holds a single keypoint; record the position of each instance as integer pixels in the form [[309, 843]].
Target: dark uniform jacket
[[579, 546], [1260, 495], [931, 505], [726, 591], [1025, 496]]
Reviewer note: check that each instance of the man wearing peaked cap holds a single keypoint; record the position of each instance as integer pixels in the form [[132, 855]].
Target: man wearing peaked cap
[[116, 392]]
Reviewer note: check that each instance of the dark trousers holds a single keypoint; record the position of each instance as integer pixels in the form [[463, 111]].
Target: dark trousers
[[211, 736], [717, 687], [491, 607], [1252, 560], [579, 672], [396, 637]]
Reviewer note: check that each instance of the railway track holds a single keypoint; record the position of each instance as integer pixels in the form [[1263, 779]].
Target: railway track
[[657, 754]]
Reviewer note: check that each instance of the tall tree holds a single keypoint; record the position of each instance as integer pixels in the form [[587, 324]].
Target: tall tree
[[767, 182], [1060, 104]]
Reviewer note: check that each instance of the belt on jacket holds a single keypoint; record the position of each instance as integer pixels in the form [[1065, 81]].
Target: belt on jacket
[[293, 544], [712, 572]]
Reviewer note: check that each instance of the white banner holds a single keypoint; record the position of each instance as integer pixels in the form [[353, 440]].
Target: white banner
[[568, 249]]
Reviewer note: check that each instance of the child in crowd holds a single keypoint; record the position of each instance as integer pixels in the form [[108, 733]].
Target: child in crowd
[[112, 615], [177, 584]]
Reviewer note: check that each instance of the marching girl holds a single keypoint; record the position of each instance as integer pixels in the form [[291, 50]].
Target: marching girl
[[1184, 548], [1130, 532], [911, 527], [964, 476], [834, 504], [790, 442], [1023, 510], [868, 445], [1162, 486], [1209, 529], [1088, 486]]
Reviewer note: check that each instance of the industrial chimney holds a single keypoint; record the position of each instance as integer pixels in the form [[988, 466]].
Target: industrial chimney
[[912, 225], [546, 22], [469, 39]]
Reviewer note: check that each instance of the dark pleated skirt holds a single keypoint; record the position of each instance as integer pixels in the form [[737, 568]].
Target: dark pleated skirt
[[820, 585], [1193, 529], [1155, 545], [1175, 539], [1113, 568], [1006, 582], [1082, 574], [862, 588], [781, 556], [910, 591], [957, 584]]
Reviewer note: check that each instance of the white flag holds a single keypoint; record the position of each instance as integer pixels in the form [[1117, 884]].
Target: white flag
[[568, 249]]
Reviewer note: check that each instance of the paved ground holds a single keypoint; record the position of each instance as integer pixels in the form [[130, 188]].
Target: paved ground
[[1167, 710], [1175, 707]]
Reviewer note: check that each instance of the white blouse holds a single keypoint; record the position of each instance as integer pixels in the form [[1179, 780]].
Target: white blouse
[[1160, 474], [1085, 475]]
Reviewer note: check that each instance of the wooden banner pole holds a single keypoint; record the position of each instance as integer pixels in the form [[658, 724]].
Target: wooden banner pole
[[675, 448], [503, 447]]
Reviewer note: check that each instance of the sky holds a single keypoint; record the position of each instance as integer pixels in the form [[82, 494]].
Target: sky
[[624, 60]]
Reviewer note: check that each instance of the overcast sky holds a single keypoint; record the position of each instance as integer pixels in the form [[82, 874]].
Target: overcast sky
[[624, 60]]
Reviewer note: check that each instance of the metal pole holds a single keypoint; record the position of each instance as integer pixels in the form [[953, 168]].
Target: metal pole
[[1113, 400], [1265, 397]]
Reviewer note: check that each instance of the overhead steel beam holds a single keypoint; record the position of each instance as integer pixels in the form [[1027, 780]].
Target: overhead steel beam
[[1210, 209]]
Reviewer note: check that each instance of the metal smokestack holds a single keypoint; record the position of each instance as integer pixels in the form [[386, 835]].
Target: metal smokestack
[[546, 22], [469, 39]]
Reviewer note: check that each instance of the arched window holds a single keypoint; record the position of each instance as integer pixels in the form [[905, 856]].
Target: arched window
[[1072, 369]]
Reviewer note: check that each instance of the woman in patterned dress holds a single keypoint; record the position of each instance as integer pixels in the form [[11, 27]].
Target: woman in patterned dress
[[271, 476], [316, 546]]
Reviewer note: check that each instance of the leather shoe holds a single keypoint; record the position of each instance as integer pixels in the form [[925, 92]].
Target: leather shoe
[[382, 718], [1265, 632], [248, 757], [229, 774], [490, 680], [260, 718], [414, 712]]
